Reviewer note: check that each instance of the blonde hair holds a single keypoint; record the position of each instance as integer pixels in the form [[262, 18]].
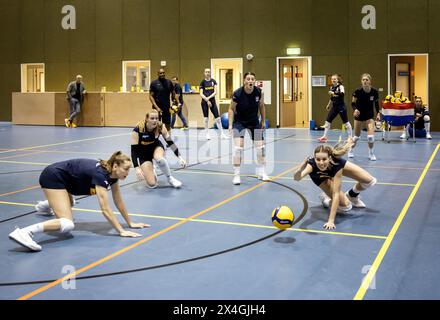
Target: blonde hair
[[336, 152], [367, 75], [338, 76], [117, 158], [142, 125]]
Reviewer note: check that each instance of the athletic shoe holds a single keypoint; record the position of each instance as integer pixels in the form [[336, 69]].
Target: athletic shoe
[[44, 209], [351, 154], [208, 137], [323, 139], [428, 136], [184, 128], [344, 209], [73, 125], [25, 239], [325, 200], [236, 180], [261, 174], [224, 136], [356, 201], [67, 123], [371, 156], [403, 136], [174, 182]]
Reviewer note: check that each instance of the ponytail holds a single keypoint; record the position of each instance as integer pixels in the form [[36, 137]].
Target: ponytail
[[117, 158]]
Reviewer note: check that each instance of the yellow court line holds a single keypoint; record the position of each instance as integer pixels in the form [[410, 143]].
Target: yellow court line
[[66, 142], [360, 235], [21, 190], [383, 250], [25, 162], [75, 273], [22, 155]]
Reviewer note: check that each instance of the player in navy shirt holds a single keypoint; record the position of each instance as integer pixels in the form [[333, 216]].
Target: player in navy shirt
[[336, 106], [326, 169], [246, 103], [365, 99], [422, 121], [161, 95], [61, 180], [208, 90], [146, 146]]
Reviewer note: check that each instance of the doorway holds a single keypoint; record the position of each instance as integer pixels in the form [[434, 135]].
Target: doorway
[[32, 77], [409, 73], [227, 72], [293, 91]]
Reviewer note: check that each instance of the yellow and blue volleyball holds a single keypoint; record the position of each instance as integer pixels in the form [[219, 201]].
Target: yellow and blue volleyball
[[282, 217], [174, 108]]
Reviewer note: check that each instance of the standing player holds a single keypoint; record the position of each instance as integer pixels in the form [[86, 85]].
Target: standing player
[[364, 101], [208, 90], [243, 116], [145, 146], [161, 95], [336, 106], [326, 169], [61, 180]]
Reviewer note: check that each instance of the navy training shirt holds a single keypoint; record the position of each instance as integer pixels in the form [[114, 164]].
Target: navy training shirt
[[319, 176], [208, 87], [247, 108]]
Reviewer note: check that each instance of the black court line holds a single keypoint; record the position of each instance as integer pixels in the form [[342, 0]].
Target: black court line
[[134, 182], [109, 274]]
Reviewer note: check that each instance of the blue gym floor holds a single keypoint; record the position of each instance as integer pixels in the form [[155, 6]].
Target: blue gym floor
[[214, 240]]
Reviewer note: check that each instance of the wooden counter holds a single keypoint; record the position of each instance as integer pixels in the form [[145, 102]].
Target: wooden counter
[[117, 109]]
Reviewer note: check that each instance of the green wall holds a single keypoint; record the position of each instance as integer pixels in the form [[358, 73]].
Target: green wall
[[188, 33]]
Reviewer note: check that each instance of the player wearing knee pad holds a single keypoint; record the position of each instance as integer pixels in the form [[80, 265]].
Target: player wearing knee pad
[[326, 169], [336, 106], [61, 180]]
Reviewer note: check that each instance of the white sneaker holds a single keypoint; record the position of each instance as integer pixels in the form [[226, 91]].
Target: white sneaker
[[371, 156], [325, 200], [25, 239], [428, 136], [356, 201], [344, 209], [224, 136], [44, 209], [236, 180], [350, 154], [403, 136], [174, 182], [261, 174], [208, 137]]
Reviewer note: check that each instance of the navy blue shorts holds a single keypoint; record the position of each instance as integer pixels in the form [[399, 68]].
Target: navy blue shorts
[[334, 111], [52, 178], [147, 152], [239, 130]]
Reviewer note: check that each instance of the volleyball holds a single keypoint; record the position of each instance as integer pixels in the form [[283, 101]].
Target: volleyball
[[174, 108], [282, 217]]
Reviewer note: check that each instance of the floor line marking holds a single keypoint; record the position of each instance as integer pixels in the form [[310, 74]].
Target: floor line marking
[[383, 250], [98, 262]]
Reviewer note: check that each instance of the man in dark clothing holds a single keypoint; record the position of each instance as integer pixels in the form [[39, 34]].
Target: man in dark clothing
[[75, 96], [161, 94]]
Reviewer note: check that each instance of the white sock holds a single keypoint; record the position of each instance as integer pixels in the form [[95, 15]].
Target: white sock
[[349, 129], [236, 171], [164, 167], [327, 127], [35, 228], [219, 125], [427, 127], [206, 124]]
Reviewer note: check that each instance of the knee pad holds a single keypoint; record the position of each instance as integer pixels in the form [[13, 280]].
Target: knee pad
[[261, 151], [348, 126], [327, 125], [426, 119], [370, 139], [344, 209], [355, 139], [238, 152], [369, 184], [152, 187], [160, 162], [66, 225]]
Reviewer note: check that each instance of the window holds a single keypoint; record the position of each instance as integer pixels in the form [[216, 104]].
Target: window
[[288, 83], [226, 81], [136, 76], [32, 77]]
